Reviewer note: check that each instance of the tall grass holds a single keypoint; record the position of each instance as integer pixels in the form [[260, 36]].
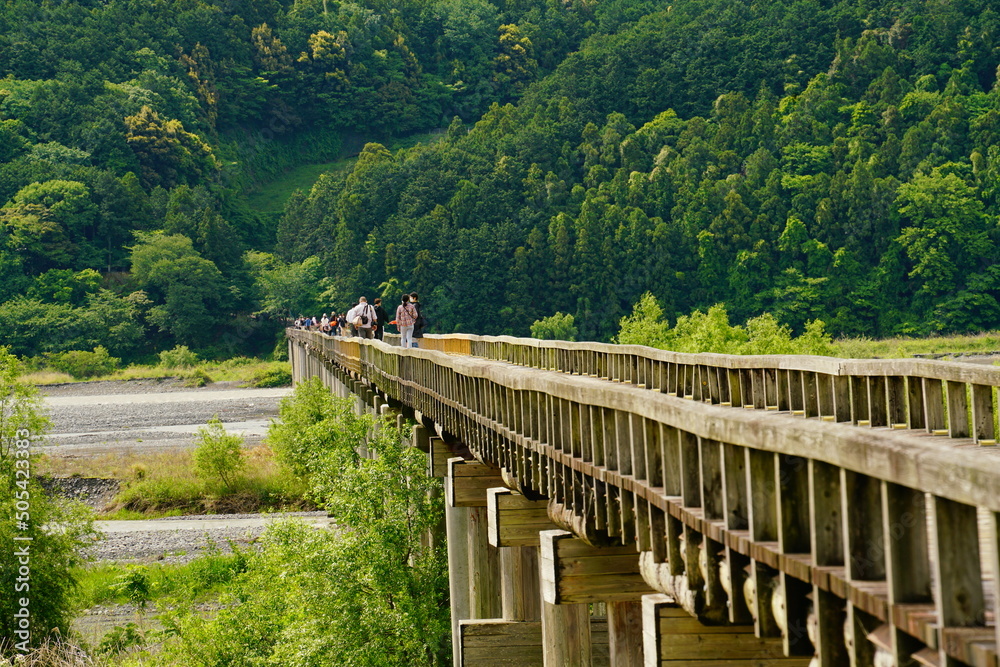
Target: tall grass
[[246, 370], [200, 579], [893, 348], [166, 483]]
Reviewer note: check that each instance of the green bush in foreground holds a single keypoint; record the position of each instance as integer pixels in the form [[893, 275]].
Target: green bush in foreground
[[218, 454], [24, 510], [370, 594]]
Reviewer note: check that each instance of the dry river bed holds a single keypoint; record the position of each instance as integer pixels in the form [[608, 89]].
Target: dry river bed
[[100, 419]]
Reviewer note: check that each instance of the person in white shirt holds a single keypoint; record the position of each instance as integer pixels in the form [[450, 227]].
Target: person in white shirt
[[361, 318]]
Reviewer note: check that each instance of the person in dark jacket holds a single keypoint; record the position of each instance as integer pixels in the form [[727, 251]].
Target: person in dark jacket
[[421, 323], [381, 319]]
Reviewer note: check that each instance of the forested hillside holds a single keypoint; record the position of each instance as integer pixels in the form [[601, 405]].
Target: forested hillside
[[817, 160], [131, 133]]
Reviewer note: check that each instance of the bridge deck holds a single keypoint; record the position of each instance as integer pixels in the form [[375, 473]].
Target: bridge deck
[[866, 491]]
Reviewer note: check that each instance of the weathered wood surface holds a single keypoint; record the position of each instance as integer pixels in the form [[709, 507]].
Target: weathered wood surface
[[743, 516]]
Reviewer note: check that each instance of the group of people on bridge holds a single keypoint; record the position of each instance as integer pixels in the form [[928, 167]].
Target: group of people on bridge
[[370, 320]]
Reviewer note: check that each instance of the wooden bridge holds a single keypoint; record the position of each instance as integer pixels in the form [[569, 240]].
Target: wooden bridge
[[619, 505]]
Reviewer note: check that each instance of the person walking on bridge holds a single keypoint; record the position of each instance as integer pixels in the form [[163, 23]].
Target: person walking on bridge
[[362, 318], [406, 316], [381, 319], [421, 322]]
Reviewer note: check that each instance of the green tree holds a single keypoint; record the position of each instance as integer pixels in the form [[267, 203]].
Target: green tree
[[217, 453], [52, 554], [554, 327], [188, 289], [948, 234], [515, 65], [168, 154], [373, 592]]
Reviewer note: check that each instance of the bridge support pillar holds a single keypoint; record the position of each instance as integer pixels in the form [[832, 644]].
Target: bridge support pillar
[[566, 635], [473, 564], [573, 573]]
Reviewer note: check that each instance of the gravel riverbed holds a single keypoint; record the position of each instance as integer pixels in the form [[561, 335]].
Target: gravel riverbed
[[116, 418], [150, 415]]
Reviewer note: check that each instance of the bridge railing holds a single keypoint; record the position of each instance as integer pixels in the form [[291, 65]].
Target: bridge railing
[[943, 398], [901, 525]]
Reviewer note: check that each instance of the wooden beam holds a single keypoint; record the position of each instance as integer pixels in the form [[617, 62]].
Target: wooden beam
[[574, 572], [457, 525], [468, 482], [499, 643], [625, 633], [515, 521], [437, 457], [673, 638]]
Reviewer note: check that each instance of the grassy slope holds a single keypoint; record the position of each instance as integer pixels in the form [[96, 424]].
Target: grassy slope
[[271, 197]]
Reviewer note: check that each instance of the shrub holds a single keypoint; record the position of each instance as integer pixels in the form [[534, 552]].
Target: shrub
[[272, 377], [53, 552], [372, 593], [315, 426], [280, 352], [122, 638], [179, 357], [218, 454], [134, 586], [81, 364], [196, 378], [555, 327]]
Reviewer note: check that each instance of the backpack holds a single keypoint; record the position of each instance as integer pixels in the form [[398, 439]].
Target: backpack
[[362, 319]]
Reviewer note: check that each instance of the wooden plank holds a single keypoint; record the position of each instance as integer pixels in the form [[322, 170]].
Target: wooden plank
[[690, 474], [734, 481], [515, 521], [859, 400], [826, 522], [958, 585], [437, 457], [896, 389], [792, 475], [653, 431], [983, 418], [763, 519], [993, 552], [484, 568], [566, 635], [933, 397], [625, 633], [710, 468], [864, 543], [878, 411], [907, 560], [671, 456], [457, 526], [958, 410], [842, 398], [520, 590], [573, 572], [810, 395], [826, 621]]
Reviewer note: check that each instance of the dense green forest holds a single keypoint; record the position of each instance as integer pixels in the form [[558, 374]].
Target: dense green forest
[[815, 160], [825, 160], [132, 132]]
